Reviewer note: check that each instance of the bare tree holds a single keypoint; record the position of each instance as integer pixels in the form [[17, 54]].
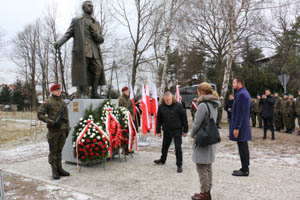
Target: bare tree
[[25, 56], [140, 29], [221, 28], [2, 44], [170, 23]]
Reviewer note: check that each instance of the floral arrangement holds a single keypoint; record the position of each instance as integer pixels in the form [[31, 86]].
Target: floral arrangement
[[100, 133]]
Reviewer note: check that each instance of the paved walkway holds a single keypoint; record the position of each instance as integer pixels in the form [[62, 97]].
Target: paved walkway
[[138, 179]]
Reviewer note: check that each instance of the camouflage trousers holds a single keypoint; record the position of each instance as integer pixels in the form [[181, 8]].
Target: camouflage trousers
[[253, 118], [289, 121], [259, 117], [278, 120], [56, 141]]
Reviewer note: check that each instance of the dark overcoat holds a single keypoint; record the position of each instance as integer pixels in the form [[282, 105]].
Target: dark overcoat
[[79, 67], [240, 118]]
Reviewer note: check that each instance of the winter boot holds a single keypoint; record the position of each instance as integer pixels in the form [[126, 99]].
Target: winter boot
[[202, 196], [55, 174], [61, 171]]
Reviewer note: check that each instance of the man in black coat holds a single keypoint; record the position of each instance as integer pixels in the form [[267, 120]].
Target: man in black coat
[[171, 116], [228, 107], [268, 113]]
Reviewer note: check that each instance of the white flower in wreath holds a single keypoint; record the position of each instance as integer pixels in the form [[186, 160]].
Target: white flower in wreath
[[85, 121], [82, 140], [91, 137], [77, 134], [98, 138], [74, 145], [80, 123], [81, 119]]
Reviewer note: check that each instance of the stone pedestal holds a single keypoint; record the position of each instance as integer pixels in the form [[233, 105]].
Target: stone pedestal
[[76, 110]]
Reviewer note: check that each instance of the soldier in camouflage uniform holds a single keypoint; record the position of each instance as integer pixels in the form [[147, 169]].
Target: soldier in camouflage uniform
[[293, 114], [124, 100], [277, 112], [284, 111], [57, 132], [253, 114], [258, 110], [297, 107]]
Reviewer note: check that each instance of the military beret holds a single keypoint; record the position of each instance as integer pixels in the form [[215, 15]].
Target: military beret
[[55, 87], [124, 89]]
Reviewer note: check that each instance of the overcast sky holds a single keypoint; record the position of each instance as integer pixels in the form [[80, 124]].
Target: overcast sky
[[15, 14]]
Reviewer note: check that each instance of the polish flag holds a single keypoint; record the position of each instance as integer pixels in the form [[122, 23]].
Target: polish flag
[[154, 106], [133, 102], [178, 94], [145, 113]]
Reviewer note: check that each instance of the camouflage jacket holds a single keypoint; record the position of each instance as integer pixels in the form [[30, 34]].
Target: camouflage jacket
[[257, 106], [297, 105], [125, 102], [49, 111], [277, 105]]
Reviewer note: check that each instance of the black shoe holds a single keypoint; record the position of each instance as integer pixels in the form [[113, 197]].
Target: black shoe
[[264, 137], [240, 173], [159, 162], [179, 170], [235, 171], [273, 138], [55, 174]]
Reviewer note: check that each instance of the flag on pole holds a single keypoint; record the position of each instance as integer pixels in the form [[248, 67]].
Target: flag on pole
[[145, 112], [133, 102], [195, 106], [178, 94], [154, 107]]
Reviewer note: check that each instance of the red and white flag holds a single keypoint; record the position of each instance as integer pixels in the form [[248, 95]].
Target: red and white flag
[[177, 94], [146, 127], [194, 105], [133, 102], [154, 106]]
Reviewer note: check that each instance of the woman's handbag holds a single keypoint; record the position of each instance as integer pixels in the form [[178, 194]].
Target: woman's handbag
[[208, 133]]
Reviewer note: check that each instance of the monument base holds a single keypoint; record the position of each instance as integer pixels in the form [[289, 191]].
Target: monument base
[[77, 109]]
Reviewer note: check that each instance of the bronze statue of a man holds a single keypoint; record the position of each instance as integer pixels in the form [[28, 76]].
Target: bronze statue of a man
[[87, 63]]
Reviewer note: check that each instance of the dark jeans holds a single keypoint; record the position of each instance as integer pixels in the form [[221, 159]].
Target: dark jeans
[[167, 139], [244, 155], [268, 124]]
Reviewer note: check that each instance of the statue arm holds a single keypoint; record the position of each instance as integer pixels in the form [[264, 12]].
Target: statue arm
[[67, 35], [95, 31]]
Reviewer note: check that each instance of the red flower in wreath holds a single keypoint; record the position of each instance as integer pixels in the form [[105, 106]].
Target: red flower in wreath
[[87, 146], [97, 148], [103, 147], [97, 154], [94, 140], [82, 157], [88, 140], [86, 153], [92, 158], [93, 145], [100, 143], [90, 150], [82, 144], [91, 153]]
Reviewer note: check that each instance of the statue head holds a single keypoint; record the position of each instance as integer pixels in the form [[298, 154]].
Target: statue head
[[88, 7]]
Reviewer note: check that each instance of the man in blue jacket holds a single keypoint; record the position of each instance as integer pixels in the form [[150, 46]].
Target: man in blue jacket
[[240, 130]]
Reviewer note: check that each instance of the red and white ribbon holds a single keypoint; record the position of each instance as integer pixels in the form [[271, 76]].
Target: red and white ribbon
[[132, 132], [195, 106], [110, 117], [83, 132]]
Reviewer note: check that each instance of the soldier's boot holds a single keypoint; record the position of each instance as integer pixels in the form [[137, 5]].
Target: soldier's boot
[[55, 174], [61, 171]]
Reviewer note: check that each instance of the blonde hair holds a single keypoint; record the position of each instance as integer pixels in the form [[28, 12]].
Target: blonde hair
[[207, 89]]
